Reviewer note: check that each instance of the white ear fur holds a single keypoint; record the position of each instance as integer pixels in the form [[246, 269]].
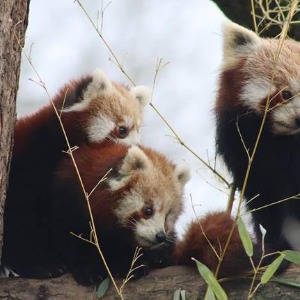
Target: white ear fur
[[183, 173], [135, 160], [237, 42], [99, 85], [142, 93], [100, 82]]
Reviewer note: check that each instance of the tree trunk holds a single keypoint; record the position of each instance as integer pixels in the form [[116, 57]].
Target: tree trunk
[[13, 24], [159, 284]]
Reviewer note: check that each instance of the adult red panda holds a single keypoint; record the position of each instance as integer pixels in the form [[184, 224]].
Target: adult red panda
[[256, 73], [92, 109], [136, 206]]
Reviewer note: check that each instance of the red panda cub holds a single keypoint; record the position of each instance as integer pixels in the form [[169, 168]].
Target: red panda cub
[[257, 72], [92, 109], [136, 206]]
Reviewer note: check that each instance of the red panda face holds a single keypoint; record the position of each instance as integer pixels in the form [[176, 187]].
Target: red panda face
[[152, 200], [269, 74], [140, 199], [109, 110]]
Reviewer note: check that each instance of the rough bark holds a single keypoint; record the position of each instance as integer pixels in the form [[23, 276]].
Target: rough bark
[[13, 24], [159, 284], [239, 11]]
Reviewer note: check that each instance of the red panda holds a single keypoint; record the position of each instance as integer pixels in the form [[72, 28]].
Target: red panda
[[205, 240], [92, 109], [136, 206], [257, 72]]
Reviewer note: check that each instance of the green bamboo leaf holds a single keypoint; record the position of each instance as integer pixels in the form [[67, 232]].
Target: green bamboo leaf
[[182, 295], [271, 269], [245, 237], [176, 295], [103, 287], [286, 282], [211, 280], [292, 256], [209, 295], [179, 295]]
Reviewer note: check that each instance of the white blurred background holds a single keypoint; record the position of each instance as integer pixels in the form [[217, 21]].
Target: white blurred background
[[63, 45]]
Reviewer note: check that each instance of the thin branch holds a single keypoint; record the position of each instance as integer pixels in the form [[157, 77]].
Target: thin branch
[[158, 68], [70, 152], [104, 177], [120, 66]]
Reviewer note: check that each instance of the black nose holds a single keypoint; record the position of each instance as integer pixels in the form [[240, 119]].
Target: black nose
[[161, 236], [297, 120]]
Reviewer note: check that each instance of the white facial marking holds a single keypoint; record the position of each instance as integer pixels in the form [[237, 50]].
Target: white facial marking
[[254, 90], [146, 229], [284, 117], [133, 202], [295, 87], [128, 121], [133, 137], [99, 128], [290, 231]]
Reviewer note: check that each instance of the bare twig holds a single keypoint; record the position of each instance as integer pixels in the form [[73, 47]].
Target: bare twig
[[159, 66], [70, 150]]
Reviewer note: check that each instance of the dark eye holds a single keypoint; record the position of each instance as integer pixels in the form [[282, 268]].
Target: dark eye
[[286, 95], [148, 211], [123, 131]]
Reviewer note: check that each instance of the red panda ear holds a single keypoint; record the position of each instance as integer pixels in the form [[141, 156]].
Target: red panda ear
[[142, 93], [183, 173], [100, 84], [134, 161], [238, 42]]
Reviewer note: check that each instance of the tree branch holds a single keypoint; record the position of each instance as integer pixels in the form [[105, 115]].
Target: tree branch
[[159, 284]]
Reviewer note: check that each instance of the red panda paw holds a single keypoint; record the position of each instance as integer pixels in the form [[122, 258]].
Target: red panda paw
[[205, 240]]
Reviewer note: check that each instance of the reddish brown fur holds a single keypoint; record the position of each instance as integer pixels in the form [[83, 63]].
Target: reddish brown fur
[[216, 227], [232, 83], [114, 156], [38, 147], [274, 100], [26, 127], [69, 209]]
